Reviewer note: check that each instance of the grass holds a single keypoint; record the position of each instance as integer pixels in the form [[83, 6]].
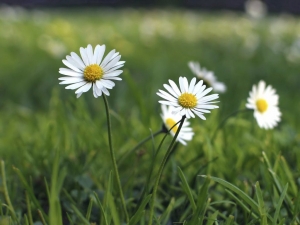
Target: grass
[[248, 175]]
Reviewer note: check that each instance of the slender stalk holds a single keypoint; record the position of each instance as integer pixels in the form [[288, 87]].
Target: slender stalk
[[161, 167], [5, 190], [113, 158], [225, 120], [146, 188], [121, 160]]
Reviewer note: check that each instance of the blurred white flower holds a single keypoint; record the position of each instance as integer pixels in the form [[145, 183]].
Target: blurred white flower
[[264, 101], [90, 71], [207, 76], [255, 8], [170, 119]]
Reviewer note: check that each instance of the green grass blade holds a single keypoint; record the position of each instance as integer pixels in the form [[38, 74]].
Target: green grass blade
[[261, 205], [5, 191], [30, 192], [230, 220], [254, 206], [101, 208], [187, 189], [89, 209], [28, 204], [296, 208], [140, 212], [278, 206], [288, 202], [79, 214], [212, 218], [289, 175], [201, 203], [241, 204]]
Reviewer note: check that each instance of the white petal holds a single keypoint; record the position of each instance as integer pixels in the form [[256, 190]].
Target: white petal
[[72, 80], [175, 87], [107, 58], [99, 54], [112, 63], [69, 72], [74, 63], [90, 55], [84, 56], [113, 74], [84, 88], [77, 85], [78, 60], [70, 65]]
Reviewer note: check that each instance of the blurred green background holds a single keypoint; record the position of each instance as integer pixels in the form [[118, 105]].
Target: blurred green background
[[156, 45], [38, 116]]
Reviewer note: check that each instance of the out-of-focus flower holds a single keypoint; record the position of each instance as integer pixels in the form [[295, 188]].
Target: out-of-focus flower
[[170, 119], [264, 101], [208, 77]]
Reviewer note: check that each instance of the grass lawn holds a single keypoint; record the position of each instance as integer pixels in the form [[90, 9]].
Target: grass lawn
[[56, 164]]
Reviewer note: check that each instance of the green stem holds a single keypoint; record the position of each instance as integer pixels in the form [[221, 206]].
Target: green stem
[[161, 167], [5, 190], [225, 120], [121, 160], [113, 158]]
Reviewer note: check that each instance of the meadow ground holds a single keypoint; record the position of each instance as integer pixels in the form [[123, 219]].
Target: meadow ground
[[55, 150]]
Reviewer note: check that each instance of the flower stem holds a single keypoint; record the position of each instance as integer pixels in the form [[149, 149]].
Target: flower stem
[[161, 167], [121, 160], [225, 120], [113, 158], [5, 190]]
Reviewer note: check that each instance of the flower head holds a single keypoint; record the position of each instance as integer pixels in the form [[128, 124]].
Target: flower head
[[170, 119], [264, 101], [189, 99], [207, 76], [91, 70]]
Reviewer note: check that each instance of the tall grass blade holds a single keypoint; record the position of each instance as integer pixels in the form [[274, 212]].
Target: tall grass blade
[[239, 192], [5, 191], [230, 220], [211, 219], [187, 189], [202, 202], [103, 217], [261, 205], [140, 212], [241, 204], [79, 214], [278, 206]]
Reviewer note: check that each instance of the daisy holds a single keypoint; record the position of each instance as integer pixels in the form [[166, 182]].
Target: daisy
[[207, 76], [170, 119], [91, 70], [263, 100], [189, 99]]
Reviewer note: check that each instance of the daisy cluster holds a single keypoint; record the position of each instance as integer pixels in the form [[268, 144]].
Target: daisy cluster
[[91, 70]]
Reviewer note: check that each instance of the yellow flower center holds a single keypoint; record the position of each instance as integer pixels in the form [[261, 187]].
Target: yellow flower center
[[92, 73], [187, 100], [170, 123], [261, 105]]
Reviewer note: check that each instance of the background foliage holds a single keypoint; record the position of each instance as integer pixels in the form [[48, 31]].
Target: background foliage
[[38, 117]]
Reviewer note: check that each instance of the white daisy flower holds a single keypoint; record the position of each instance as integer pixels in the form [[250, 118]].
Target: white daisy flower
[[207, 76], [170, 119], [264, 101], [189, 99], [91, 70]]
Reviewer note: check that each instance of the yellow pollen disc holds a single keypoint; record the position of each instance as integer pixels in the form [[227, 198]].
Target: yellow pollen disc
[[261, 105], [170, 123], [187, 100], [93, 73]]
